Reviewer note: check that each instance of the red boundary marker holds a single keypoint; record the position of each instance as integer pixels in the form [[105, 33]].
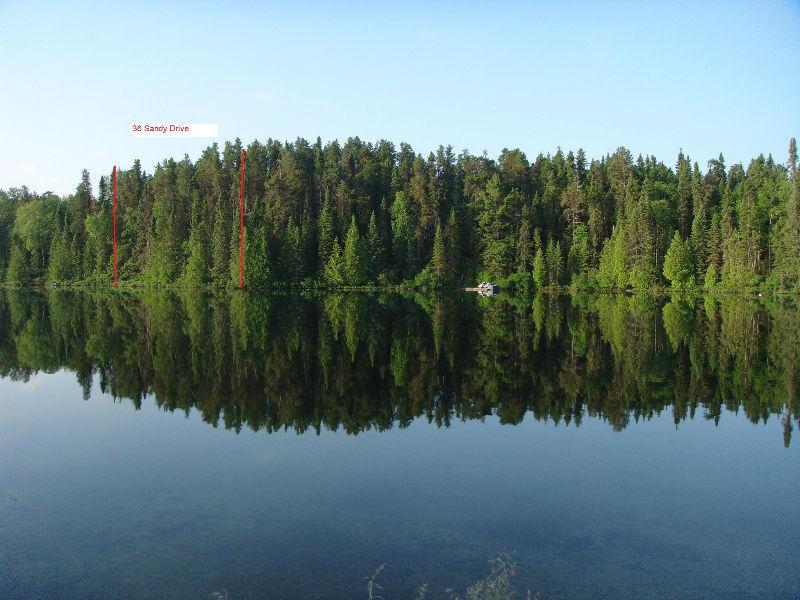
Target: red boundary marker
[[241, 223], [114, 212]]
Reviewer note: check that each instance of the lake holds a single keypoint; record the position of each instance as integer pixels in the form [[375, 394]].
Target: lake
[[159, 445]]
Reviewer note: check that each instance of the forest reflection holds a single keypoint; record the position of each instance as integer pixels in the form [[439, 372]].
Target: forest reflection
[[355, 362]]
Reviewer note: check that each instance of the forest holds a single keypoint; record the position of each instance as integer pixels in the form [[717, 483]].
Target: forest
[[372, 215], [355, 362]]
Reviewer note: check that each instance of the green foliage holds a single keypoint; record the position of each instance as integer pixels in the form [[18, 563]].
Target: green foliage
[[220, 245], [610, 223], [403, 225], [353, 260], [292, 252], [18, 270], [35, 225], [580, 259], [334, 269], [678, 315], [554, 262], [62, 266], [539, 271], [438, 263], [275, 362], [612, 273], [375, 249], [711, 278], [257, 272], [678, 267]]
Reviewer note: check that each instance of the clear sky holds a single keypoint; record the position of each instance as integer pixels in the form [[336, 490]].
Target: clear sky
[[708, 77]]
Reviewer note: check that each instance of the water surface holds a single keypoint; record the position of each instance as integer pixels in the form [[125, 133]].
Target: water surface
[[159, 446]]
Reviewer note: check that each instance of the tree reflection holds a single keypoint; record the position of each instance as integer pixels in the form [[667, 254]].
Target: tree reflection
[[355, 361]]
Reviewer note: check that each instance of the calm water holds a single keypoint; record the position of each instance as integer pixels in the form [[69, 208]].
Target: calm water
[[159, 446]]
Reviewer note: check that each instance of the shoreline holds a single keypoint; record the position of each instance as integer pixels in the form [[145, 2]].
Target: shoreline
[[754, 293]]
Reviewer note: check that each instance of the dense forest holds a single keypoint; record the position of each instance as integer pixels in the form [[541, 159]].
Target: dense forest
[[364, 214], [374, 361]]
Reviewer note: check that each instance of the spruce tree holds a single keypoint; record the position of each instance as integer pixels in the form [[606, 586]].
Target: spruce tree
[[375, 250], [334, 268], [326, 229], [539, 270], [554, 263], [438, 262], [353, 259], [220, 250], [678, 267]]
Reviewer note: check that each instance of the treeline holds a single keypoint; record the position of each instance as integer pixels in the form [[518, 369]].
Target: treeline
[[371, 214], [356, 362]]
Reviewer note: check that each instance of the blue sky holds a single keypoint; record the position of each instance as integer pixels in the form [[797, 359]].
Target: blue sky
[[711, 78]]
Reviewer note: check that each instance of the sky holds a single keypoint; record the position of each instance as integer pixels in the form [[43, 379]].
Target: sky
[[709, 78]]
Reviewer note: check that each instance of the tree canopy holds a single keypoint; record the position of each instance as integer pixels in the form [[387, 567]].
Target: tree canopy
[[363, 213]]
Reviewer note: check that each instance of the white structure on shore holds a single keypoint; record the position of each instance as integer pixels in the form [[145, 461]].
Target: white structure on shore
[[484, 289]]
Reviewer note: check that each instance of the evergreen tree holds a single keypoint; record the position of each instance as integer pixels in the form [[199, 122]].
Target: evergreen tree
[[438, 262], [678, 267], [61, 267], [257, 273], [220, 245], [612, 271], [684, 196], [611, 225], [334, 269], [579, 259], [327, 230], [539, 270], [453, 242], [524, 250], [403, 235], [18, 271], [291, 253], [196, 272], [787, 230], [554, 263], [375, 249], [353, 258]]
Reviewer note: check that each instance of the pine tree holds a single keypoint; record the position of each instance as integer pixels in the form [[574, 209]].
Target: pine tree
[[334, 268], [678, 267], [165, 240], [787, 231], [256, 263], [375, 249], [220, 250], [438, 262], [539, 270], [61, 266], [714, 243], [453, 245], [579, 258], [403, 235], [196, 270], [524, 250], [554, 263], [613, 271], [326, 228], [18, 271], [449, 219], [699, 224], [353, 260], [684, 196]]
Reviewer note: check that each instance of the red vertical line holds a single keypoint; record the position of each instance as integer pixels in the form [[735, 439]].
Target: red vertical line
[[241, 223], [114, 211]]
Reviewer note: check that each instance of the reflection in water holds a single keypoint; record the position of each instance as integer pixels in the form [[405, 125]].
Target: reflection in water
[[356, 362]]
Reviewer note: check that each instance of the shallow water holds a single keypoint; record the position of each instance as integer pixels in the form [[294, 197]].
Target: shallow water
[[158, 446]]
